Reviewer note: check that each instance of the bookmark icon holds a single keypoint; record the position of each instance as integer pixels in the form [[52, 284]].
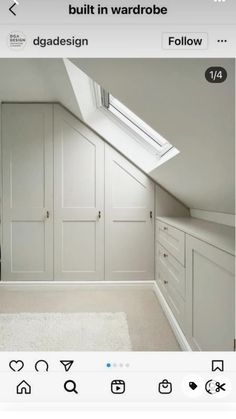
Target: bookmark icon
[[67, 365]]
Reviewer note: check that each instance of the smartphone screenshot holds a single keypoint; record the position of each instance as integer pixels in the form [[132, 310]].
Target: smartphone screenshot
[[117, 205]]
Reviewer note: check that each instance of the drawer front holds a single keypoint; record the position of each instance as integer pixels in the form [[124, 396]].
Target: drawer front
[[162, 282], [172, 239], [177, 304], [172, 297], [174, 271]]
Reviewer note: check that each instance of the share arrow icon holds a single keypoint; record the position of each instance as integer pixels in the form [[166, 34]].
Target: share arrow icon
[[67, 365]]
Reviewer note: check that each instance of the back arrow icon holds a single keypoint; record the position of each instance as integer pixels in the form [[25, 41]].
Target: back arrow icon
[[11, 8]]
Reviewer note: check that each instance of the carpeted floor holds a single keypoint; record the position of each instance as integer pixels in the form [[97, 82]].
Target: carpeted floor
[[149, 329], [64, 332]]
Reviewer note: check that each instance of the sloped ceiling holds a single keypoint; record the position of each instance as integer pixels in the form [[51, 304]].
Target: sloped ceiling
[[36, 80], [173, 96]]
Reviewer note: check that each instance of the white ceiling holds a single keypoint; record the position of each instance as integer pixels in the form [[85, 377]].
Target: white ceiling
[[172, 96], [197, 117]]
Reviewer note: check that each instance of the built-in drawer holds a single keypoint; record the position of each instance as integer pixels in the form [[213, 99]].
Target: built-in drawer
[[171, 295], [162, 282], [173, 270], [176, 303], [172, 239]]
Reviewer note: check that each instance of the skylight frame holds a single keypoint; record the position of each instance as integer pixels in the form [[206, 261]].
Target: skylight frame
[[157, 144]]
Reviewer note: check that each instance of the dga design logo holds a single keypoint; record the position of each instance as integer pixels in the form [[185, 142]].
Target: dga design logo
[[16, 41]]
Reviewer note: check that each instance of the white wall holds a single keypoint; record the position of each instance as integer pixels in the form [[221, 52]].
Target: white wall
[[215, 217], [168, 206], [36, 80]]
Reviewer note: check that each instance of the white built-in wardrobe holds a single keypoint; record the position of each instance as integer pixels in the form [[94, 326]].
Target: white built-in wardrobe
[[72, 207]]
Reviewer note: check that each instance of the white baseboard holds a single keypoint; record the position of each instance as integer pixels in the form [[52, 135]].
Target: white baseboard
[[173, 322], [31, 285]]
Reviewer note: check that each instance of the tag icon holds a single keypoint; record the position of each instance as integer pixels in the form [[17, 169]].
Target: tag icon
[[165, 387]]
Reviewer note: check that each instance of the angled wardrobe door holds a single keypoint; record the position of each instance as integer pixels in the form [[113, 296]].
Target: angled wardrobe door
[[27, 168], [129, 235], [78, 200]]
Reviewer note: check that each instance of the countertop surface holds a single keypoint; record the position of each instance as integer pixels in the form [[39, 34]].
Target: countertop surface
[[218, 235]]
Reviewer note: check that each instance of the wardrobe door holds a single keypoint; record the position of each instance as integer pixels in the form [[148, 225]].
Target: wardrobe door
[[27, 222], [210, 297], [78, 200], [129, 237]]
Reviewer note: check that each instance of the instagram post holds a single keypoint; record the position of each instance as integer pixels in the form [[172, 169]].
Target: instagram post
[[117, 287]]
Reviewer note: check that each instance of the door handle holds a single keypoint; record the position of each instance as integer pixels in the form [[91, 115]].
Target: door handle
[[47, 214], [99, 214], [151, 214]]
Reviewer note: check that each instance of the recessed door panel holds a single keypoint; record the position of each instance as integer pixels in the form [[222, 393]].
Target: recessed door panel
[[27, 144], [128, 249], [79, 246], [27, 159], [127, 190], [79, 169], [25, 238]]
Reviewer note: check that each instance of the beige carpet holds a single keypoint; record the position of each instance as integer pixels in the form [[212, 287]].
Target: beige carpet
[[148, 327], [64, 332]]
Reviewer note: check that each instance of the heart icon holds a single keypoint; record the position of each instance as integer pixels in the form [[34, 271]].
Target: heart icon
[[16, 365]]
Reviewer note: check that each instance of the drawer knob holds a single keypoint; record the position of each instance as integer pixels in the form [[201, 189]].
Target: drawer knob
[[165, 228], [165, 255], [165, 282]]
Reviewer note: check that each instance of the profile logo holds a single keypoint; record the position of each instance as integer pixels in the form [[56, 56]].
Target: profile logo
[[16, 41]]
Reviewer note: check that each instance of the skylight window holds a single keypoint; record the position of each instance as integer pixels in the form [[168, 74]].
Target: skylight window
[[144, 133]]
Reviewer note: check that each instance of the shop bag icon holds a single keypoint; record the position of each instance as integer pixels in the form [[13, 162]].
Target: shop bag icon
[[165, 387]]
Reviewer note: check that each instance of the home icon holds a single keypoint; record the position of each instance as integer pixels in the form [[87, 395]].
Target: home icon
[[23, 388]]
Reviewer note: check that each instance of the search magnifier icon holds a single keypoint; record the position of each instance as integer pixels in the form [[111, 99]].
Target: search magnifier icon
[[70, 386]]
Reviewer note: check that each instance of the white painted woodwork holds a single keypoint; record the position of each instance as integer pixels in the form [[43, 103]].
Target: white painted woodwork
[[210, 297], [218, 235], [206, 312], [59, 171], [129, 229], [170, 278], [176, 303], [78, 199], [172, 239], [27, 155], [173, 270], [162, 282]]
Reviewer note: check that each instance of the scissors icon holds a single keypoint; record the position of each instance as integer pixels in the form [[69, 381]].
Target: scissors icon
[[213, 387], [220, 387], [70, 386]]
